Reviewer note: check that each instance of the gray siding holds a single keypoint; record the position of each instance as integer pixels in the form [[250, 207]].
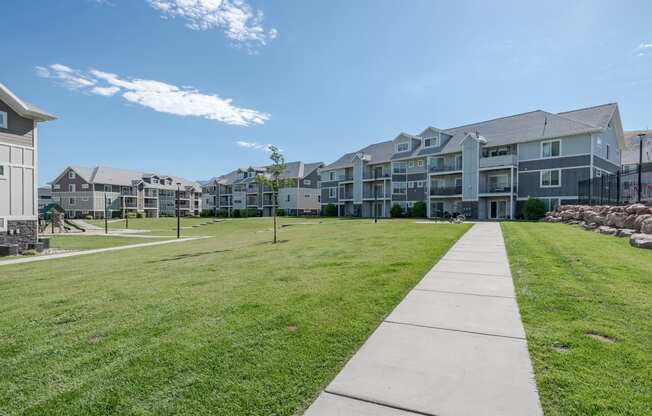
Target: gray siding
[[555, 163], [604, 164], [470, 166], [570, 146], [600, 143], [20, 131], [64, 182], [529, 183]]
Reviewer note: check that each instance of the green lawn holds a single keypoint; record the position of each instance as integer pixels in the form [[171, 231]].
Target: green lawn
[[79, 242], [231, 325], [586, 303]]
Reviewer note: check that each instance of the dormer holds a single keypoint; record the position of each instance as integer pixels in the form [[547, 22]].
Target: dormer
[[432, 138], [404, 143]]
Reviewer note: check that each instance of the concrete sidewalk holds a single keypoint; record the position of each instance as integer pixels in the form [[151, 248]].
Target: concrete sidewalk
[[454, 346]]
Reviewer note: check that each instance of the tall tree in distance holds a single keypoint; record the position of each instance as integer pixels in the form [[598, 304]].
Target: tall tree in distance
[[273, 179]]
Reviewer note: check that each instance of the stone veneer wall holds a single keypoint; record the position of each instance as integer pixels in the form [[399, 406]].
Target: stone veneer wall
[[28, 233]]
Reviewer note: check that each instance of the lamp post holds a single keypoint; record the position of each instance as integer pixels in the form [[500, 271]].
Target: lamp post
[[106, 214], [375, 198], [641, 137], [178, 210]]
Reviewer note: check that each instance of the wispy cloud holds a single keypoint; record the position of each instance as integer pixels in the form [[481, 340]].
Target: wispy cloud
[[253, 145], [242, 25], [643, 49], [157, 95]]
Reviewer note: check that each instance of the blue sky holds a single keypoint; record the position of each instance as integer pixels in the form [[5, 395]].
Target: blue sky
[[172, 86]]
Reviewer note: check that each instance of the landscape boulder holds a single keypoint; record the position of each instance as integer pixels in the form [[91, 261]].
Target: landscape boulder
[[646, 226], [616, 219], [607, 230], [638, 223], [641, 241], [625, 232], [630, 221]]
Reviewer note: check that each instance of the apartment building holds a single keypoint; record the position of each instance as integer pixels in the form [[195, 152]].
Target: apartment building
[[104, 190], [18, 169], [483, 170], [238, 190]]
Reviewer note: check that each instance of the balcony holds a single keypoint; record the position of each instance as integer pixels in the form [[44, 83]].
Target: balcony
[[496, 189], [446, 191], [495, 161], [370, 175], [347, 177], [380, 194], [346, 194], [452, 167]]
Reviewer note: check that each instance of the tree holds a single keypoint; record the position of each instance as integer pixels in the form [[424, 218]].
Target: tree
[[534, 209], [396, 211], [419, 209], [273, 180]]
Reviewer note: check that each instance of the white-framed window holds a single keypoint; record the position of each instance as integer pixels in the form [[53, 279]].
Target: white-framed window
[[458, 182], [307, 182], [420, 163], [399, 187], [551, 148], [107, 188], [332, 175], [410, 163], [71, 201], [3, 120], [85, 199], [409, 204], [332, 193], [399, 167], [72, 187], [84, 186], [410, 184], [433, 141], [402, 147], [71, 174], [419, 184], [4, 172], [57, 187], [551, 178]]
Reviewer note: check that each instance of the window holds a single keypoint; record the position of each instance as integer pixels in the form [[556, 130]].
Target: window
[[458, 183], [3, 172], [419, 184], [84, 186], [288, 198], [3, 120], [411, 164], [57, 187], [410, 184], [402, 147], [420, 163], [608, 152], [85, 199], [307, 182], [551, 148], [399, 167], [72, 187], [71, 174], [550, 178], [433, 141], [399, 187], [332, 175], [107, 188], [332, 193], [71, 201]]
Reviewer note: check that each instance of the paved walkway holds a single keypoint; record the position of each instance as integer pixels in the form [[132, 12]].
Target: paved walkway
[[95, 251], [454, 346]]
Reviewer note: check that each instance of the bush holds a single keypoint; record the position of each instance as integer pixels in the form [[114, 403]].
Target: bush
[[396, 211], [236, 213], [88, 217], [252, 212], [206, 213], [534, 209], [330, 210], [280, 212], [140, 215], [223, 212], [419, 209]]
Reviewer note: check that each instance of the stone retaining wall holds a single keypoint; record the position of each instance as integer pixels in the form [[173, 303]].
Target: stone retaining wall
[[21, 232], [633, 221]]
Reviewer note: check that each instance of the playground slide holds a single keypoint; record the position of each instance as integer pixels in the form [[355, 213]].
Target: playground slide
[[74, 225]]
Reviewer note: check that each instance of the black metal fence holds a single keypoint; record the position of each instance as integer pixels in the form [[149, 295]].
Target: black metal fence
[[632, 183]]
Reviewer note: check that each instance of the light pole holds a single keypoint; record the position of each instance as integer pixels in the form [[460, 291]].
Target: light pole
[[106, 214], [178, 210], [641, 137], [375, 198]]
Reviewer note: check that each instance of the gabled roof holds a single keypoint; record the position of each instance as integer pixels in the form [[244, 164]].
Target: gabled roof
[[123, 177], [379, 152], [630, 154], [23, 108], [295, 170]]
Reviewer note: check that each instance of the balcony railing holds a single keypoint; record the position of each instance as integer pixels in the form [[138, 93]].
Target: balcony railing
[[347, 177], [496, 189], [452, 167], [446, 190], [493, 161], [369, 194], [346, 195], [370, 175]]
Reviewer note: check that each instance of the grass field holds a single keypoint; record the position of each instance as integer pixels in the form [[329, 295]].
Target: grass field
[[586, 303], [230, 325], [77, 242]]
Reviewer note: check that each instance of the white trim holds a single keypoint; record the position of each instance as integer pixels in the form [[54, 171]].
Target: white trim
[[525, 198], [4, 123], [4, 175], [566, 168], [542, 172], [553, 157], [550, 141], [408, 143]]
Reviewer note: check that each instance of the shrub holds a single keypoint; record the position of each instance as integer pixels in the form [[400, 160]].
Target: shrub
[[330, 210], [236, 213], [252, 212], [534, 209], [419, 209], [88, 217], [396, 211], [223, 212], [140, 215], [280, 212], [206, 213]]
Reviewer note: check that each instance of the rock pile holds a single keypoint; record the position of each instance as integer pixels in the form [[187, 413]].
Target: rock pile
[[632, 221]]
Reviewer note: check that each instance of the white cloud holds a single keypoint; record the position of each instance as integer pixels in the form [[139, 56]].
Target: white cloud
[[643, 49], [253, 145], [105, 91], [157, 95], [241, 24]]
